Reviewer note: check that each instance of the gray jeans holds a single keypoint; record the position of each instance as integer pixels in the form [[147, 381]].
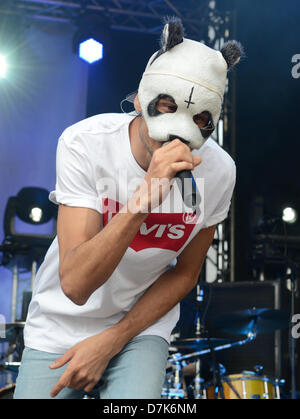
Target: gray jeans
[[137, 372]]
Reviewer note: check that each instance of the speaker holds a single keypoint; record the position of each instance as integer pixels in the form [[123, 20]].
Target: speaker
[[268, 349]]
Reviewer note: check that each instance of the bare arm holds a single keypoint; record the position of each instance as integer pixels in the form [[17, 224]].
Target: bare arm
[[89, 256]]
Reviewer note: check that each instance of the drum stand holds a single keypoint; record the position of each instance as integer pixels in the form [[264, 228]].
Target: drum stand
[[200, 331], [217, 382]]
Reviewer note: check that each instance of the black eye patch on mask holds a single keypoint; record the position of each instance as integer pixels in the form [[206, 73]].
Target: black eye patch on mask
[[152, 107], [206, 132]]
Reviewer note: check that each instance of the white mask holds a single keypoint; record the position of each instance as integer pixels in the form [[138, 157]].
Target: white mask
[[194, 77]]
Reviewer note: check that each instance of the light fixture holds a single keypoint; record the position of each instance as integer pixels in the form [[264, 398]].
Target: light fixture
[[32, 206], [91, 51], [36, 214], [91, 37], [23, 250], [289, 215]]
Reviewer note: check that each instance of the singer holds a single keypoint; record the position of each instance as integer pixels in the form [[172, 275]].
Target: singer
[[106, 297]]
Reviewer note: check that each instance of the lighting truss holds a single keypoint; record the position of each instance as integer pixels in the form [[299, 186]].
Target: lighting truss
[[129, 15]]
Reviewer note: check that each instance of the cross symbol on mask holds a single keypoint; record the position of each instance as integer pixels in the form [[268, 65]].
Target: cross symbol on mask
[[189, 102]]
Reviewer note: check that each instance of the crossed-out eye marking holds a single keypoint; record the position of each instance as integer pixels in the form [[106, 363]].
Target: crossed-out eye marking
[[189, 101]]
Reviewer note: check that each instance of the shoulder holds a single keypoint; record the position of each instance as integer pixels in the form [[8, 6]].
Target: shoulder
[[95, 128], [216, 154], [216, 161]]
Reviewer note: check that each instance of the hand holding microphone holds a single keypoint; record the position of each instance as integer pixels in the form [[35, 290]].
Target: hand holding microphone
[[187, 174], [174, 159]]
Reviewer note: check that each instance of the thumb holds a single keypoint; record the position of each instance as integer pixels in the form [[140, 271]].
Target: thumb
[[62, 360]]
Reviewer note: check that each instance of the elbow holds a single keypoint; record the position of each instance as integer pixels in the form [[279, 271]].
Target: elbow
[[71, 292]]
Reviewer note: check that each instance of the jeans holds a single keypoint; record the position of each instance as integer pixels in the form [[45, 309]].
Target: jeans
[[137, 372]]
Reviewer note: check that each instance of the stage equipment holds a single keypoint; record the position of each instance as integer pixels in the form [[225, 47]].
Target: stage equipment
[[275, 254], [91, 36], [289, 215], [269, 347], [129, 15], [91, 51], [262, 320], [247, 385], [23, 251], [26, 250]]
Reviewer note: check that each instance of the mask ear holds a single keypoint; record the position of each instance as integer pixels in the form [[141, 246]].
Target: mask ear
[[232, 52], [172, 35]]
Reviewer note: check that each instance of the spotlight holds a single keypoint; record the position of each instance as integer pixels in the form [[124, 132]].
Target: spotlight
[[36, 214], [91, 36], [31, 206], [91, 51], [3, 67], [289, 215]]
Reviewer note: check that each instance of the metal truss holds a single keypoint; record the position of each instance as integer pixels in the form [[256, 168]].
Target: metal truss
[[201, 19]]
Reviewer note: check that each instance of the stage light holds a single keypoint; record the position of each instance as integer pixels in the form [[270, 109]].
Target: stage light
[[289, 215], [36, 214], [91, 51], [91, 36], [3, 67], [31, 206]]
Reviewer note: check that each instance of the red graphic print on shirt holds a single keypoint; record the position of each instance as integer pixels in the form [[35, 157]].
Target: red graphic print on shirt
[[163, 231]]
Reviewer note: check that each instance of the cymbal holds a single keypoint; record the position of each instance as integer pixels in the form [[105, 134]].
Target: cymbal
[[255, 320], [199, 344]]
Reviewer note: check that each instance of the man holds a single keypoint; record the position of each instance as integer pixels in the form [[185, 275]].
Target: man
[[106, 297]]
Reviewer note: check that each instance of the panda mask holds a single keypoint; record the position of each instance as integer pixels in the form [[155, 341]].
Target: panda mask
[[191, 75]]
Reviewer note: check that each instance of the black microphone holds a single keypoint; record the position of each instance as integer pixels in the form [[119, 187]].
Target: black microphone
[[187, 174]]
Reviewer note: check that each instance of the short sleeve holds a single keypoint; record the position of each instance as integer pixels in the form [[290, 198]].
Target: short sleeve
[[75, 185], [222, 209]]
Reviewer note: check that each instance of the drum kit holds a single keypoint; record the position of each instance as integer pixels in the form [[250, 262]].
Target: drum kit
[[185, 363]]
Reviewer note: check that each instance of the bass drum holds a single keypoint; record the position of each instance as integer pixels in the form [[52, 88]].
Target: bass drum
[[245, 386]]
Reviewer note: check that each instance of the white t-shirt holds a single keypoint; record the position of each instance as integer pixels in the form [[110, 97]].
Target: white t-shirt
[[92, 150]]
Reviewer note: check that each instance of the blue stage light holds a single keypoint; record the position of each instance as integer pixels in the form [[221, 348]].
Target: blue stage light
[[91, 51]]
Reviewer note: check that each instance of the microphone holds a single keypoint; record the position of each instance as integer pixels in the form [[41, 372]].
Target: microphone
[[187, 174]]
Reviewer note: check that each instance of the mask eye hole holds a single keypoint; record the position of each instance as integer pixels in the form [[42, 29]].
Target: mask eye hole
[[204, 120], [166, 104]]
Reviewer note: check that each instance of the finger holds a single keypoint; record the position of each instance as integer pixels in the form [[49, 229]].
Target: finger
[[78, 385], [60, 385], [62, 360], [89, 387], [183, 165]]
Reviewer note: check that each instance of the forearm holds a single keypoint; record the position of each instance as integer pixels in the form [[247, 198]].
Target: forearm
[[158, 300], [89, 265]]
